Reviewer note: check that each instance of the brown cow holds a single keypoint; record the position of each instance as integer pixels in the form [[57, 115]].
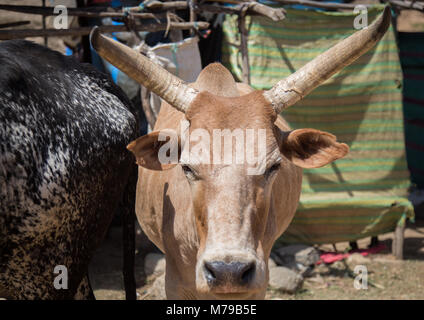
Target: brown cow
[[215, 222]]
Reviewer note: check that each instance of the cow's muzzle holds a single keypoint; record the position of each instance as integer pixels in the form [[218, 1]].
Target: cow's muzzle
[[222, 276], [230, 273]]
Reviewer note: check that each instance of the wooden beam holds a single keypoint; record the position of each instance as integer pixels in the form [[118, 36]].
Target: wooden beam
[[275, 14], [316, 4], [413, 5], [254, 8], [398, 240], [89, 12], [14, 24], [128, 238], [24, 33], [244, 49], [404, 4], [43, 3]]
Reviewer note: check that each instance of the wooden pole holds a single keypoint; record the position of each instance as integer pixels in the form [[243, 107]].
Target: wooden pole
[[398, 239], [413, 5], [156, 6], [19, 34], [128, 236], [276, 14], [85, 41], [405, 4], [14, 24], [316, 4], [243, 47], [192, 4], [44, 23], [79, 12], [254, 9]]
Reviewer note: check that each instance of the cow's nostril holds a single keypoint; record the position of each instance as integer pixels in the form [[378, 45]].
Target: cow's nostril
[[248, 273], [209, 274]]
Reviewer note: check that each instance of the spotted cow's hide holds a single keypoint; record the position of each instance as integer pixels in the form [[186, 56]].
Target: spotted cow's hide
[[63, 167]]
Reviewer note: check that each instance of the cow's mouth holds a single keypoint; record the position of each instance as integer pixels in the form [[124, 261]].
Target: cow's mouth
[[233, 295]]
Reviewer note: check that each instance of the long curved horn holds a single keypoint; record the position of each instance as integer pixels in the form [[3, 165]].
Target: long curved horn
[[293, 88], [155, 78]]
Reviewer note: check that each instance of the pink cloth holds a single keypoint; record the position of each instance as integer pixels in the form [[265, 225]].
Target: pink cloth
[[330, 257]]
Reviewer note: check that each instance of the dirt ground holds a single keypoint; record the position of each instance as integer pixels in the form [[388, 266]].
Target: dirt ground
[[388, 278]]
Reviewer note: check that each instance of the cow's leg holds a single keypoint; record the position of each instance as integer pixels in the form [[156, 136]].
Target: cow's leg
[[128, 236], [374, 242], [84, 291]]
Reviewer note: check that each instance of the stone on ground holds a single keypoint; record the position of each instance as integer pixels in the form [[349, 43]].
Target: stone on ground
[[299, 253], [284, 279], [154, 263]]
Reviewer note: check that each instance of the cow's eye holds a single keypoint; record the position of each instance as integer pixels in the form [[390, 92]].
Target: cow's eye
[[273, 169], [189, 172]]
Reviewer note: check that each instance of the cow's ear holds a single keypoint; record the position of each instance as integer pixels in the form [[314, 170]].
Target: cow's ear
[[158, 150], [310, 148]]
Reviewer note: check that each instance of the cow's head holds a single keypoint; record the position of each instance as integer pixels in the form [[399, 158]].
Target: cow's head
[[231, 200]]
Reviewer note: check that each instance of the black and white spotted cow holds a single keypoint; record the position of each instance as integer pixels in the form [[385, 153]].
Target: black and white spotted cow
[[64, 167]]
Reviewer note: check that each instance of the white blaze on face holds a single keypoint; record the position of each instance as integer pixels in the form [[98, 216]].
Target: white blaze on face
[[230, 212]]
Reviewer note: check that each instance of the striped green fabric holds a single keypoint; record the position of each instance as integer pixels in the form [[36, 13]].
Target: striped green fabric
[[364, 194]]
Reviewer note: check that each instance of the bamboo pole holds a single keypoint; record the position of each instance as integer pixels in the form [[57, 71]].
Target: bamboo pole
[[19, 34]]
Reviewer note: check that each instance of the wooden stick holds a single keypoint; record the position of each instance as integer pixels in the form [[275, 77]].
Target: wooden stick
[[128, 237], [275, 14], [254, 8], [192, 4], [19, 34], [44, 23], [413, 5], [101, 12], [316, 4], [158, 5], [398, 239], [14, 24], [257, 8], [405, 4], [243, 47]]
